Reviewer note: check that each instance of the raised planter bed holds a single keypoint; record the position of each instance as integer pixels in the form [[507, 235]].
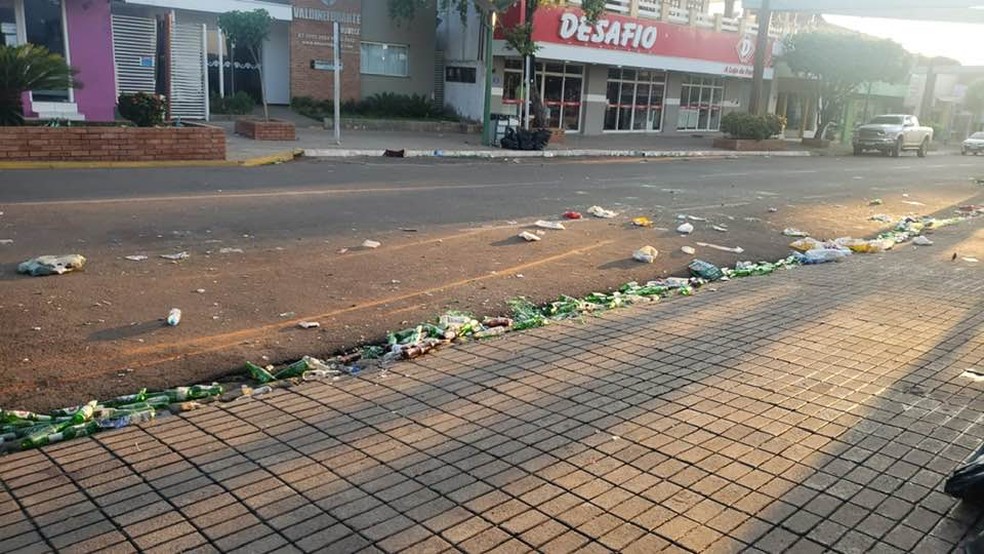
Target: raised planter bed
[[403, 125], [816, 143], [102, 143], [744, 145], [260, 129]]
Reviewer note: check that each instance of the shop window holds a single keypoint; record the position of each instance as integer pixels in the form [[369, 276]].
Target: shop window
[[635, 100], [44, 25], [392, 60], [8, 23], [457, 74], [560, 86], [700, 103]]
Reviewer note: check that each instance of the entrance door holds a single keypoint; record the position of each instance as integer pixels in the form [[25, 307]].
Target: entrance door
[[572, 102], [561, 92], [553, 97], [46, 27], [188, 77]]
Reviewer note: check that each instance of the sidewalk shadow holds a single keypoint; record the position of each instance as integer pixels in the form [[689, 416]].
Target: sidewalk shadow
[[688, 408], [126, 331]]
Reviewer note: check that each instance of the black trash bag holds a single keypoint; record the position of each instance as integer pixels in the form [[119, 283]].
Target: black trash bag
[[523, 139], [967, 481]]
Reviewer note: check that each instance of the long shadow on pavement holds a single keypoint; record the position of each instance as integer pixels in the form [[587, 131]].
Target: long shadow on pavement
[[753, 418]]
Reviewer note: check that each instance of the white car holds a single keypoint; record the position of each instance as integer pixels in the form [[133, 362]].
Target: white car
[[974, 143]]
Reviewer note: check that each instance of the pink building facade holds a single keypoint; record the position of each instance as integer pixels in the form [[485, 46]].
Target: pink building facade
[[79, 30]]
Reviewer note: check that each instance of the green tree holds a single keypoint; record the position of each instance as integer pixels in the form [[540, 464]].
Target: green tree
[[407, 9], [974, 100], [249, 30], [842, 62], [29, 67]]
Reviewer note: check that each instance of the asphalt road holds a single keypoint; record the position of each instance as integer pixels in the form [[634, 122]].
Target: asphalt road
[[448, 233]]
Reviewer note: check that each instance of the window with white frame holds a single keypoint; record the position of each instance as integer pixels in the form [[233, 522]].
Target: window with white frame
[[635, 99], [8, 23], [378, 58], [700, 103]]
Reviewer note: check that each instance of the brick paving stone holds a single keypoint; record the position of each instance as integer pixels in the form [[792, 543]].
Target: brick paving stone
[[405, 539], [782, 428], [542, 533], [185, 543], [566, 542]]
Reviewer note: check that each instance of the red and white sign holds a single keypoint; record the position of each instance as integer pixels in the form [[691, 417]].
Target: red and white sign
[[620, 40]]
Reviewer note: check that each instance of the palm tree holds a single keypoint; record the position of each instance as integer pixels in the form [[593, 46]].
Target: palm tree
[[29, 67]]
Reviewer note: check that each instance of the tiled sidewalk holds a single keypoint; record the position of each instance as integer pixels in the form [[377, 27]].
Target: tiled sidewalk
[[818, 409]]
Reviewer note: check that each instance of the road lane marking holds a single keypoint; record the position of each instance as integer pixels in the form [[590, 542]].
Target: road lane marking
[[275, 194], [729, 174], [707, 207]]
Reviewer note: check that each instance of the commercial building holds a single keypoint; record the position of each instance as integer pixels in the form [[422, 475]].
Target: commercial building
[[79, 30], [378, 54], [942, 102], [175, 48], [646, 66]]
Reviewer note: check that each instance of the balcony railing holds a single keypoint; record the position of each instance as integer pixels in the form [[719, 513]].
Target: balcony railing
[[670, 12]]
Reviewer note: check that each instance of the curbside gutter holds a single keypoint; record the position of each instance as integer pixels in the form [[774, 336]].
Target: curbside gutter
[[276, 158], [584, 153]]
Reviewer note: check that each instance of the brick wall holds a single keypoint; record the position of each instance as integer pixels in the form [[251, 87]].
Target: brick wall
[[111, 144], [273, 129], [311, 39]]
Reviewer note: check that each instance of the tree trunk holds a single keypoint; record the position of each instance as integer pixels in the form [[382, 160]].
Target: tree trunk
[[259, 69]]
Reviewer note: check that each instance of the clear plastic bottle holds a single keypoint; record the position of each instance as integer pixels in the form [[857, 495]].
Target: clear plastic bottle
[[174, 317]]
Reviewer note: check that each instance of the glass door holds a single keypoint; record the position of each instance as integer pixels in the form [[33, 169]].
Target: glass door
[[45, 27], [553, 98], [572, 102], [656, 107], [625, 99], [641, 107]]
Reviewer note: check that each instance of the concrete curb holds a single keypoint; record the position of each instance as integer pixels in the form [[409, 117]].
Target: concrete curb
[[500, 154], [118, 165], [279, 157]]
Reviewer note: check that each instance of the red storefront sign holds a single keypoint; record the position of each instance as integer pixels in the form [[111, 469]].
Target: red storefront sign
[[734, 52]]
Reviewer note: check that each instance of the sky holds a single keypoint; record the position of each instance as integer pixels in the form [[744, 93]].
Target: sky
[[960, 41]]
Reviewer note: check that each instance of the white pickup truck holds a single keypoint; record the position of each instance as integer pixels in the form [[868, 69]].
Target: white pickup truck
[[892, 134]]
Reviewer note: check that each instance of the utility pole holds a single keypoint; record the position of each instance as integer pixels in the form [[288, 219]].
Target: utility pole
[[929, 92], [487, 132], [337, 61], [761, 45], [526, 74]]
